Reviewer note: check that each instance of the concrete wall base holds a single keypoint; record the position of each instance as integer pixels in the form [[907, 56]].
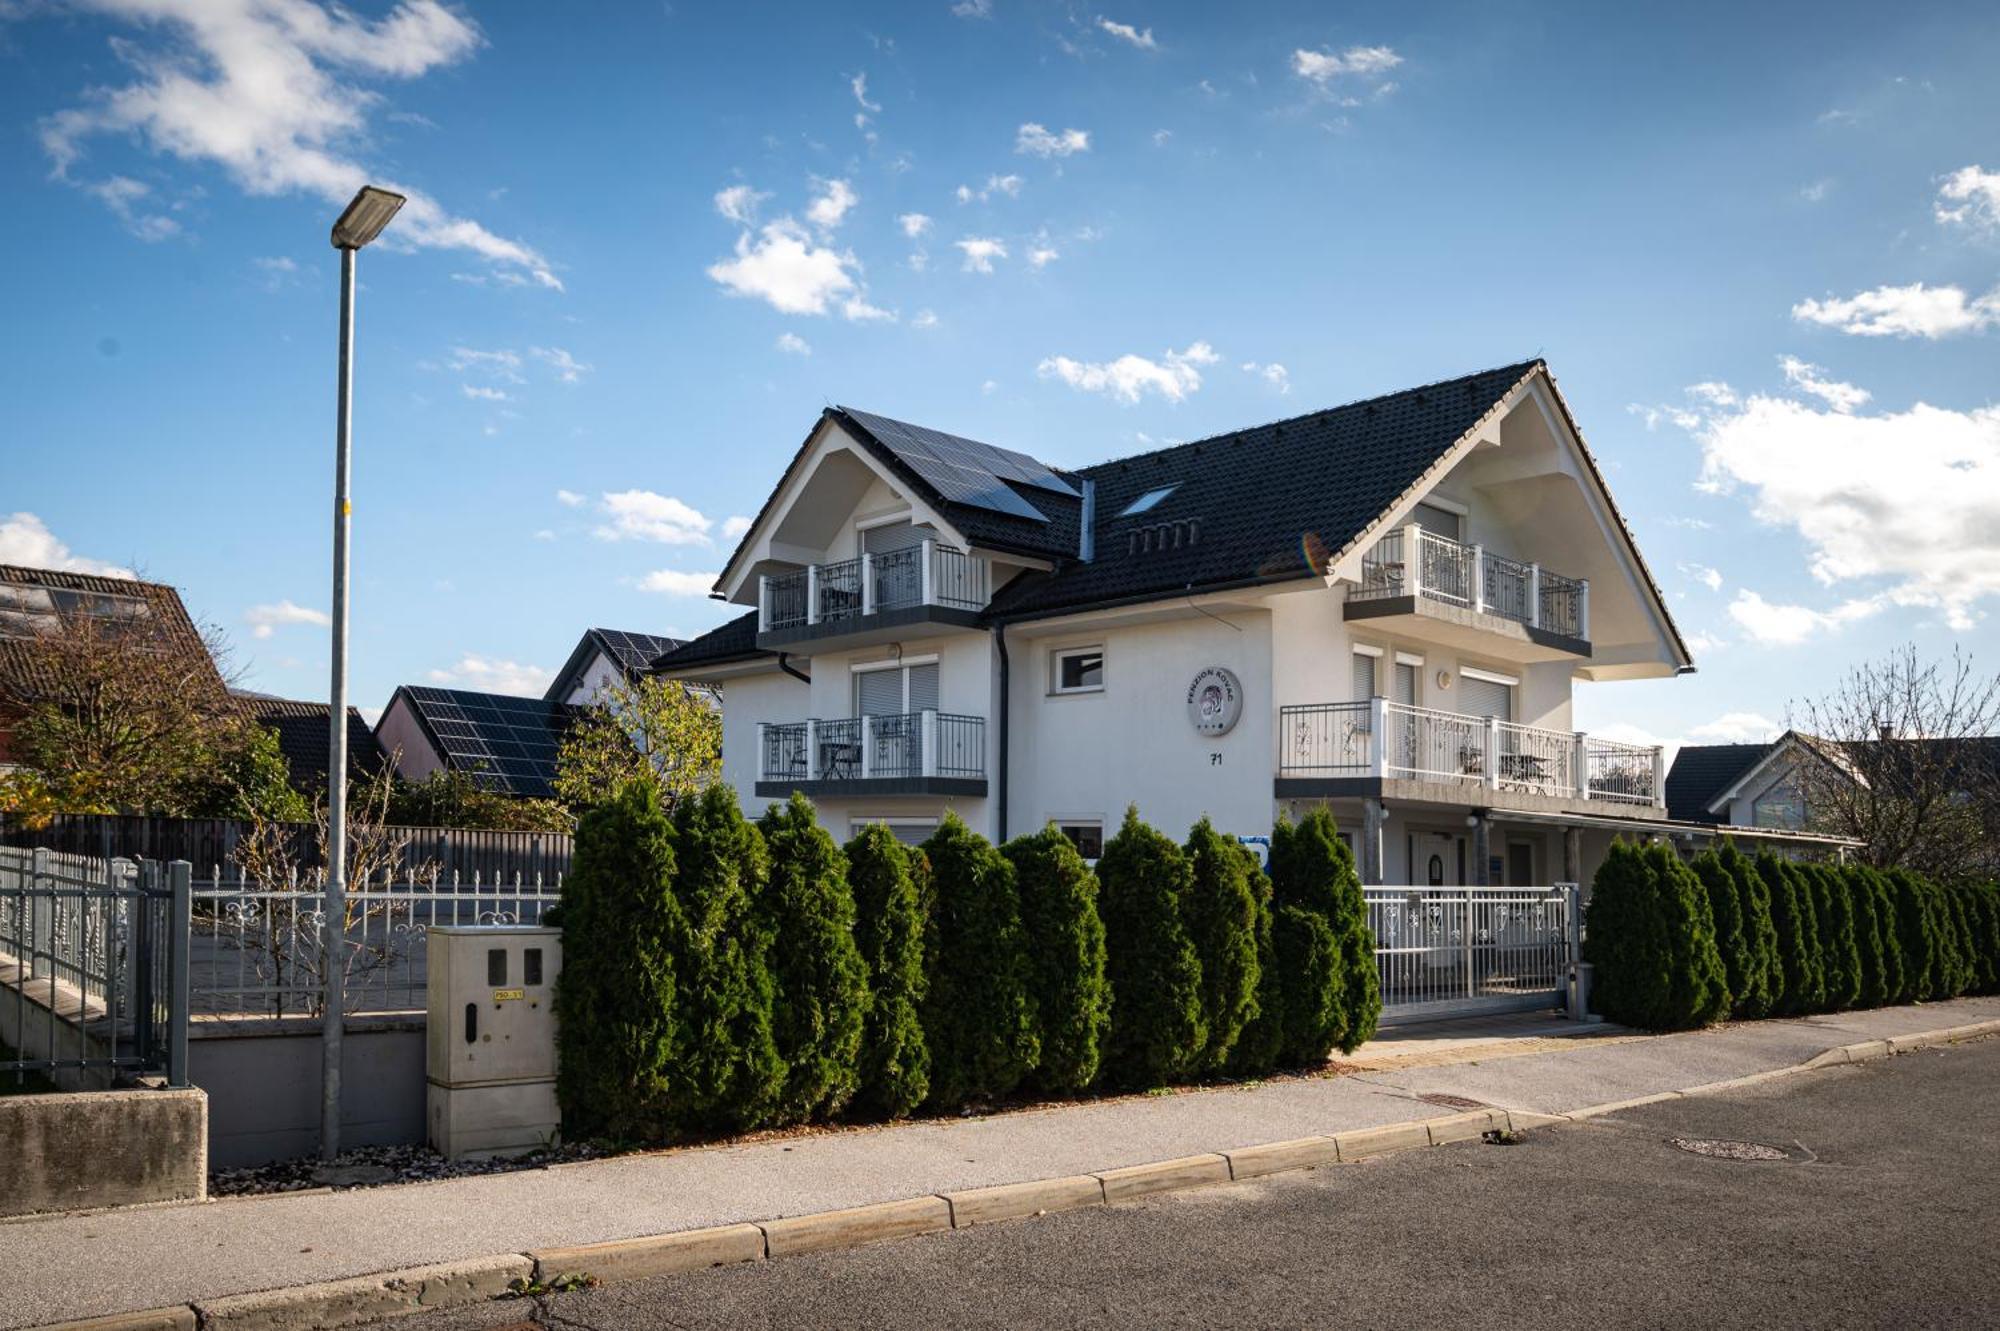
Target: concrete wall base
[[76, 1151]]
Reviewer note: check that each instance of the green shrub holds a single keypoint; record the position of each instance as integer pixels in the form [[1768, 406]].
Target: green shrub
[[1308, 957], [1982, 902], [1924, 967], [1763, 973], [1261, 1043], [728, 1075], [1874, 985], [1797, 925], [615, 995], [1221, 911], [1311, 868], [1157, 1033], [1651, 938], [1742, 964], [979, 1009], [1882, 899], [1961, 965], [1065, 938], [819, 984], [1840, 953], [889, 931]]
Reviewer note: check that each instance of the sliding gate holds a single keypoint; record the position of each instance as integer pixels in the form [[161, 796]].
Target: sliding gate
[[1448, 951]]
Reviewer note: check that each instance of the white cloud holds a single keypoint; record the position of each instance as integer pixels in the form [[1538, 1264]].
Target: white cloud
[[1789, 625], [1036, 141], [925, 319], [1816, 192], [482, 394], [1009, 185], [1900, 502], [501, 364], [1125, 32], [1323, 67], [569, 499], [567, 367], [271, 91], [963, 194], [1161, 137], [831, 207], [1273, 374], [25, 540], [1970, 196], [1175, 375], [124, 197], [858, 310], [1912, 311], [793, 343], [264, 620], [973, 9], [1713, 392], [914, 224], [734, 526], [544, 534], [1805, 377], [673, 582], [484, 674], [642, 515], [1042, 257], [860, 85], [1737, 728], [1710, 578], [786, 269], [980, 252], [989, 387], [739, 203]]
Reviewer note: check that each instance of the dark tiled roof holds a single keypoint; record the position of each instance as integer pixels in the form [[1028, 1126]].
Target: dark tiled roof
[[506, 743], [34, 601], [631, 652], [735, 640], [1703, 771], [302, 735]]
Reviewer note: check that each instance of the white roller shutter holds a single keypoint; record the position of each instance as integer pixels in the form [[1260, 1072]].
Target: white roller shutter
[[924, 687], [894, 536], [1485, 697], [1405, 691], [1364, 677], [879, 692]]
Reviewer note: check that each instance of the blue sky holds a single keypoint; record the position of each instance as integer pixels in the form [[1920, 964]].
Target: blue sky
[[649, 243]]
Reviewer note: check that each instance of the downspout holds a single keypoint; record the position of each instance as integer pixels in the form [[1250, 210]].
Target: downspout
[[785, 664], [1000, 807]]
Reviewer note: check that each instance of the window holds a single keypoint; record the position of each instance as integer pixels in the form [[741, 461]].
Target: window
[[1437, 521], [1078, 670], [1484, 694], [909, 831], [1364, 675], [1146, 501], [1086, 833], [895, 690], [1779, 807]]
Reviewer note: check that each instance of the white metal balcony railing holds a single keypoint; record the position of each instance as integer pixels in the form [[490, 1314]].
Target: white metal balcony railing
[[1475, 578], [926, 574], [873, 748], [1380, 738]]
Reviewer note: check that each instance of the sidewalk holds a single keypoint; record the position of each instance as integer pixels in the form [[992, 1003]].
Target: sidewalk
[[79, 1266]]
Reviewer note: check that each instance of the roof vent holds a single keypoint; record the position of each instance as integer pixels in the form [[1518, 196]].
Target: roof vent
[[1162, 536]]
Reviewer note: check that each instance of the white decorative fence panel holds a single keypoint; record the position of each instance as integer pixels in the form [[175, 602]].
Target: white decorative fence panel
[[1443, 951]]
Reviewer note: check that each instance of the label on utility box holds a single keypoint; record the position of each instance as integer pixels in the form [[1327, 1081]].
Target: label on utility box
[[509, 995]]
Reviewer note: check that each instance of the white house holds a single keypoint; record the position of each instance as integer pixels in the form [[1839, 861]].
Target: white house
[[1383, 607]]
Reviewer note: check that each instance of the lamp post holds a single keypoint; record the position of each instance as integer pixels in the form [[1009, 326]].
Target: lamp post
[[360, 223]]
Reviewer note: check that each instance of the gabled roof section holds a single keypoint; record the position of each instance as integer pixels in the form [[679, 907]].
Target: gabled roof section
[[1701, 772], [35, 603], [304, 739], [735, 640], [505, 743], [630, 652], [1268, 504]]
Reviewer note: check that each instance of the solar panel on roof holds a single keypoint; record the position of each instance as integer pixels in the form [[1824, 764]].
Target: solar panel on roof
[[963, 470], [504, 743]]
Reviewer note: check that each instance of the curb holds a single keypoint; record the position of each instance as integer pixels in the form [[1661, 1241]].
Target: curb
[[388, 1294]]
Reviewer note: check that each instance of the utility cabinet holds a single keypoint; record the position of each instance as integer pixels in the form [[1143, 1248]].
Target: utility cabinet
[[491, 1057]]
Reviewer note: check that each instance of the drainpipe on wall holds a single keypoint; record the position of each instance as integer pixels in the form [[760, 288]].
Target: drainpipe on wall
[[1000, 796], [785, 664]]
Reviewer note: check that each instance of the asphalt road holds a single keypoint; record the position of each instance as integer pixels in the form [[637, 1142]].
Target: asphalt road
[[1884, 1212]]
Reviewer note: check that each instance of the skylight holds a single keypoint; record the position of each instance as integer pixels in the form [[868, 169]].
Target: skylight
[[1148, 500]]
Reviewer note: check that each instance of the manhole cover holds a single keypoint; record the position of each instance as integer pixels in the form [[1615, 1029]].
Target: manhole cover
[[1443, 1101], [1727, 1150], [352, 1176]]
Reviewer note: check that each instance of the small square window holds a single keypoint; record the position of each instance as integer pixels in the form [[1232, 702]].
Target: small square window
[[1087, 836], [1080, 670]]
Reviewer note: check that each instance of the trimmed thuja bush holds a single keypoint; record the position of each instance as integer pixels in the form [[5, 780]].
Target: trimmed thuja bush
[[820, 987], [1742, 967], [1874, 980], [1065, 939], [889, 932], [1916, 933], [979, 1009], [728, 1075], [1840, 953], [1792, 914], [1221, 911], [1261, 1043], [615, 995], [1312, 870], [1157, 1032], [1651, 938], [1763, 973]]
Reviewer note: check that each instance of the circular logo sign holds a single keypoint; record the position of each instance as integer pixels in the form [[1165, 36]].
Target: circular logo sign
[[1214, 701]]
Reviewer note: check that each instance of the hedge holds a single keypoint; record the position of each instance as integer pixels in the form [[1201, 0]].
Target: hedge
[[1650, 935], [1065, 938], [819, 984], [1261, 1043], [1797, 923], [1222, 919], [979, 1008], [1157, 1028], [1313, 870], [889, 933]]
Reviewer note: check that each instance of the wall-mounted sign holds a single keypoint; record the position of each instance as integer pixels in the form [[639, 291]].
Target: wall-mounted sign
[[1214, 701]]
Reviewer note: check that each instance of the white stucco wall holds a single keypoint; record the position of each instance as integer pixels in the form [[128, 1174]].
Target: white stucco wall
[[597, 676]]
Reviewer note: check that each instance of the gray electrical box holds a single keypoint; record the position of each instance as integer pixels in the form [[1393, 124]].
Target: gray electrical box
[[492, 1038]]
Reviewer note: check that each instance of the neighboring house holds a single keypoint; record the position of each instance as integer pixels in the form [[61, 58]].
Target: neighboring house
[[1760, 785], [505, 743], [37, 603], [307, 741], [1382, 608], [602, 656]]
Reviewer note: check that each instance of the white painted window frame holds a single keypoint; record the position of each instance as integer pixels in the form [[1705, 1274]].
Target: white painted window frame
[[1056, 657]]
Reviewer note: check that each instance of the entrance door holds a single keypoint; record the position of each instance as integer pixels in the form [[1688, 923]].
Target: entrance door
[[1520, 864], [1437, 859]]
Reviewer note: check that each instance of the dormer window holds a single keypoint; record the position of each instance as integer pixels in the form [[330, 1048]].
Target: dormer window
[[1147, 501]]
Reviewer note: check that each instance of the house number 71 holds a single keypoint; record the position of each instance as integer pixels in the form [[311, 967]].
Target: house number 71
[[1215, 760]]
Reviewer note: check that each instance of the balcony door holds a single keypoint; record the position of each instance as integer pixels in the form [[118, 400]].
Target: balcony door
[[894, 697], [896, 553]]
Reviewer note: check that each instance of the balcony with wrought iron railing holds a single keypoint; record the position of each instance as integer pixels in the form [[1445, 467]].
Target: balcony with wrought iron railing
[[927, 752], [1422, 566], [914, 585], [1381, 740]]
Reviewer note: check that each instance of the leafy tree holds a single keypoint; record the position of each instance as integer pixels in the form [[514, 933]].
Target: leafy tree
[[243, 775], [728, 1073], [1157, 1032], [820, 983], [889, 930], [979, 1009], [1797, 925], [1065, 938], [1651, 937], [615, 996], [1311, 868], [450, 797], [1221, 911], [652, 729]]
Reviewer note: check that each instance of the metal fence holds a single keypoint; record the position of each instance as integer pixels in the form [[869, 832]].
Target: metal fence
[[94, 953], [1444, 951]]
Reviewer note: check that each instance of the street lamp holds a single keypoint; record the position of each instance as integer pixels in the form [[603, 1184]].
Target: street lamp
[[362, 221]]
